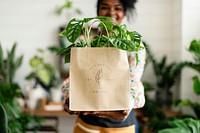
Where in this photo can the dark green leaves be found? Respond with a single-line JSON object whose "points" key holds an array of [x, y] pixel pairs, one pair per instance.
{"points": [[73, 30], [3, 120], [110, 35], [195, 49], [196, 85], [9, 65], [187, 125]]}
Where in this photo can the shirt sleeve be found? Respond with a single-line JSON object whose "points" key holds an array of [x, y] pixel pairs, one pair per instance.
{"points": [[136, 72]]}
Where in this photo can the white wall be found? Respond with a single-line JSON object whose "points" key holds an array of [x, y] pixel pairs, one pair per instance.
{"points": [[33, 24], [167, 25], [190, 31]]}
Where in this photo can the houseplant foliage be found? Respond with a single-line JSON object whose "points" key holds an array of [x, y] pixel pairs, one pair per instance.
{"points": [[166, 76], [9, 66], [111, 35], [187, 125], [68, 5], [69, 10], [42, 72], [3, 120], [10, 91], [194, 49]]}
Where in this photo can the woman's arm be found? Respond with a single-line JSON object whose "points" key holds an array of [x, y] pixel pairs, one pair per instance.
{"points": [[136, 72]]}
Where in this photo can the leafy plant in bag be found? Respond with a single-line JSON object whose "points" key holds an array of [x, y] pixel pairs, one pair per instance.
{"points": [[116, 36]]}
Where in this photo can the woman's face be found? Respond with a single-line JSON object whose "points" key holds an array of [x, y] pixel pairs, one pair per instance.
{"points": [[113, 9]]}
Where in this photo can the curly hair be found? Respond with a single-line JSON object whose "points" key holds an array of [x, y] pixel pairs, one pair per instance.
{"points": [[129, 7]]}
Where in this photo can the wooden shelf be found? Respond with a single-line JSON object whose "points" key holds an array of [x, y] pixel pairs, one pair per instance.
{"points": [[42, 112]]}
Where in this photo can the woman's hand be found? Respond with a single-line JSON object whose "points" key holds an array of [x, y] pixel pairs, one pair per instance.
{"points": [[65, 92], [118, 115], [66, 108]]}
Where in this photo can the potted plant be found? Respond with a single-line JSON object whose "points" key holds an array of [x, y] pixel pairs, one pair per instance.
{"points": [[154, 113], [194, 49], [3, 120], [68, 9], [118, 36], [9, 66], [42, 72], [10, 91], [166, 76], [44, 75], [187, 125]]}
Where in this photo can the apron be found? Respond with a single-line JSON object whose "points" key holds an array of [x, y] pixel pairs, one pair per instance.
{"points": [[82, 127]]}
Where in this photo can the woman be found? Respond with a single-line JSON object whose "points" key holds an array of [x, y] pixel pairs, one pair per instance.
{"points": [[114, 121]]}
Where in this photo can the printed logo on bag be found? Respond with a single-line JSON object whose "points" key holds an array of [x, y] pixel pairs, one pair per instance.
{"points": [[99, 77]]}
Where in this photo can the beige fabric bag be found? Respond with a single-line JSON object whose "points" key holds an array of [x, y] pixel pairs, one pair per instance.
{"points": [[99, 79]]}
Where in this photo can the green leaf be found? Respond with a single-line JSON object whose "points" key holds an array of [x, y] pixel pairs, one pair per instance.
{"points": [[3, 120], [18, 62], [73, 30], [11, 54], [44, 76], [195, 49], [54, 49], [173, 130], [40, 50], [36, 61], [187, 125], [116, 36], [1, 59], [185, 102], [196, 85], [194, 125], [32, 75]]}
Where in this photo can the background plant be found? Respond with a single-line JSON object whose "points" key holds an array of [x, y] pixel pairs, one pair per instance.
{"points": [[194, 49], [166, 76], [69, 10], [3, 120], [153, 112], [187, 125], [42, 72], [67, 6], [9, 66], [10, 91]]}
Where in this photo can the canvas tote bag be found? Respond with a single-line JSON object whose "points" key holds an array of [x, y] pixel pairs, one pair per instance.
{"points": [[99, 79]]}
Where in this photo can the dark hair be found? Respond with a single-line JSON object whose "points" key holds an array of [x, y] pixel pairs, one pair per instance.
{"points": [[129, 7]]}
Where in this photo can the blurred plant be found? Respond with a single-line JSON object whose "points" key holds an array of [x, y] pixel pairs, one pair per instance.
{"points": [[3, 120], [9, 66], [68, 6], [194, 49], [155, 108], [152, 113], [70, 11], [166, 76], [187, 125], [43, 73], [11, 91]]}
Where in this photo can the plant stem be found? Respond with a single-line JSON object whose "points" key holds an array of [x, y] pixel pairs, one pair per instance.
{"points": [[101, 32]]}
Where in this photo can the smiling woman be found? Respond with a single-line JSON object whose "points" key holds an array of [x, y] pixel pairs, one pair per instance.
{"points": [[116, 9], [113, 9], [117, 120]]}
